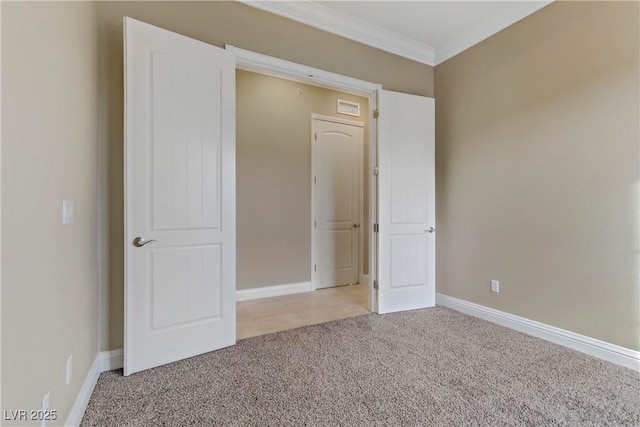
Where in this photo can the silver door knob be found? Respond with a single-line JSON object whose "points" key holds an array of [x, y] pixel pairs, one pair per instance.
{"points": [[430, 230], [139, 242], [356, 225]]}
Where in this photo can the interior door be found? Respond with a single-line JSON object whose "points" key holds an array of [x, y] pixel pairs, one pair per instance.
{"points": [[406, 202], [337, 157], [180, 197]]}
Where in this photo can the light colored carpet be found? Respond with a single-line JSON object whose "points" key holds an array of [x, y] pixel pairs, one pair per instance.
{"points": [[427, 367]]}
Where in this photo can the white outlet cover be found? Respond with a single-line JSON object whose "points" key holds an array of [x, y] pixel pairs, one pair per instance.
{"points": [[67, 212]]}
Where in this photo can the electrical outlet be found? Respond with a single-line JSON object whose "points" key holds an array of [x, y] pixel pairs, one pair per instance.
{"points": [[495, 286], [69, 369], [46, 407]]}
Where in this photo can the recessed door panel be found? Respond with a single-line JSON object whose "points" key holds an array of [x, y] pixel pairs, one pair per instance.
{"points": [[408, 253], [336, 249], [185, 136], [408, 176], [186, 285]]}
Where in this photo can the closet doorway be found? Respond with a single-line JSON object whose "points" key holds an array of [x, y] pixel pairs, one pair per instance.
{"points": [[300, 192]]}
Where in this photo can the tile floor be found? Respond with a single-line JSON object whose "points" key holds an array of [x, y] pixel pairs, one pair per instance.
{"points": [[268, 315]]}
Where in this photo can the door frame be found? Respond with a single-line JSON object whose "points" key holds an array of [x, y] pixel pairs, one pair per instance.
{"points": [[314, 117], [264, 64]]}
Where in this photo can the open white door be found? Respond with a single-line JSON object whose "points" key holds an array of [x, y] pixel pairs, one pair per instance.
{"points": [[180, 197], [406, 202]]}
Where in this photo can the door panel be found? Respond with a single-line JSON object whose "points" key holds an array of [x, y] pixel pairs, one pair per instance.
{"points": [[336, 249], [184, 92], [337, 152], [406, 200], [408, 253], [186, 285], [180, 192], [408, 176]]}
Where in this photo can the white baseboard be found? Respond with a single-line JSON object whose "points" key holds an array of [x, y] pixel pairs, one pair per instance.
{"points": [[591, 346], [272, 291], [364, 279], [82, 399], [110, 360], [103, 362]]}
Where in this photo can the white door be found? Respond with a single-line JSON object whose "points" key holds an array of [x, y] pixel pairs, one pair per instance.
{"points": [[406, 204], [336, 168], [180, 197]]}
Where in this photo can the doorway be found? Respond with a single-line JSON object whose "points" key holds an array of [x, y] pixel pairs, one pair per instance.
{"points": [[274, 200], [290, 71]]}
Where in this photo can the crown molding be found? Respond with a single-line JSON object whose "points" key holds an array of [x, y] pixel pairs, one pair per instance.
{"points": [[326, 19], [483, 31]]}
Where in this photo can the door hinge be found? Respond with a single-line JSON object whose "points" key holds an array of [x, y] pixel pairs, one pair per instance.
{"points": [[315, 267], [315, 136], [376, 228], [315, 179], [315, 224], [376, 113], [375, 284], [376, 171]]}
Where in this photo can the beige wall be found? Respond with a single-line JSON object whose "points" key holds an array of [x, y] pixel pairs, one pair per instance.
{"points": [[49, 274], [273, 168], [216, 23], [537, 150]]}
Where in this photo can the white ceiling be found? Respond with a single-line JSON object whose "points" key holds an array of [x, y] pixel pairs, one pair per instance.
{"points": [[426, 31]]}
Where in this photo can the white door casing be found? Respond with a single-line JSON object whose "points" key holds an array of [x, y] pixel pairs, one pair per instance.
{"points": [[406, 209], [337, 155], [180, 192]]}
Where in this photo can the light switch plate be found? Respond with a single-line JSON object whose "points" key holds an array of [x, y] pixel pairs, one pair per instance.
{"points": [[67, 212], [495, 286]]}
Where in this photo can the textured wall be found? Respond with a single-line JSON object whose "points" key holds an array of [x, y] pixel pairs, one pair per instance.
{"points": [[537, 151], [217, 23], [49, 271]]}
